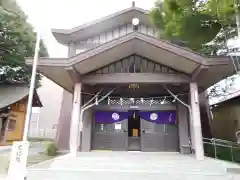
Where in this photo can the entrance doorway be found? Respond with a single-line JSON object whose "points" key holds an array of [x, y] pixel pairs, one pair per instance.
{"points": [[134, 132]]}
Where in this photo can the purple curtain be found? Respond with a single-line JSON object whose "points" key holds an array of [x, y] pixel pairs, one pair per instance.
{"points": [[160, 117], [108, 117]]}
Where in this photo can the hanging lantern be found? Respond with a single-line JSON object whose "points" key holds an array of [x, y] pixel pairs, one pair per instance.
{"points": [[162, 102], [151, 102], [121, 101], [96, 101], [132, 99]]}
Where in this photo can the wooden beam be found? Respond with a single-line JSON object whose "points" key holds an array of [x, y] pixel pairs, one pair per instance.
{"points": [[73, 74], [116, 78], [197, 71]]}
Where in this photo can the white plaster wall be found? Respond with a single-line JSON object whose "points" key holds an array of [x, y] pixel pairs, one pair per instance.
{"points": [[42, 122]]}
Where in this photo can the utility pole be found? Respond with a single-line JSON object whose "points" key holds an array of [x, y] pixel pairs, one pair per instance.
{"points": [[32, 87], [18, 160]]}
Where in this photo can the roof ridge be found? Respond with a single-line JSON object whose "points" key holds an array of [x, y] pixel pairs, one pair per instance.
{"points": [[228, 97], [199, 58], [162, 40], [99, 20]]}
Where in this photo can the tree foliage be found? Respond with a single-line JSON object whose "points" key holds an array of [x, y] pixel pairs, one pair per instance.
{"points": [[196, 22], [203, 25], [17, 42]]}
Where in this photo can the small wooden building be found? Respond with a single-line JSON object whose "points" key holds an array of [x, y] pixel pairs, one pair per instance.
{"points": [[226, 118], [13, 107]]}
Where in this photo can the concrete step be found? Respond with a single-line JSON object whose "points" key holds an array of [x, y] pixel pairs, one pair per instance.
{"points": [[109, 175], [149, 167], [130, 166], [131, 163]]}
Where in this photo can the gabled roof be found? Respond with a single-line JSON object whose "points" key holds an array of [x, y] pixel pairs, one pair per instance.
{"points": [[228, 97], [64, 36], [206, 71], [10, 94], [138, 39]]}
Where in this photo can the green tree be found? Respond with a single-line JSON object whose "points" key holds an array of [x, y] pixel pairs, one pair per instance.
{"points": [[17, 41], [201, 25]]}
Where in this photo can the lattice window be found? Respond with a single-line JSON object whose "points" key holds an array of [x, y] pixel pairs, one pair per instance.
{"points": [[135, 64], [140, 101], [99, 127]]}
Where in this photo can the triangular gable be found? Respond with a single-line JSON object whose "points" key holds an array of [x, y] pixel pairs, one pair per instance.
{"points": [[135, 64], [64, 36], [137, 43], [10, 94]]}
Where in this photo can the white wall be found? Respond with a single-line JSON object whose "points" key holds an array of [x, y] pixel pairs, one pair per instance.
{"points": [[43, 121]]}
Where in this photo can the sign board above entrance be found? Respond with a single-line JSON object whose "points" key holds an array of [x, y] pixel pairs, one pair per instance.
{"points": [[134, 107]]}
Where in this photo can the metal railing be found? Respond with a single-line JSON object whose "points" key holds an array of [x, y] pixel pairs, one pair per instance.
{"points": [[222, 149]]}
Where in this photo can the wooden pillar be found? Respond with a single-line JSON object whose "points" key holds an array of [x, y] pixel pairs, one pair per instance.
{"points": [[196, 122], [75, 119], [183, 127]]}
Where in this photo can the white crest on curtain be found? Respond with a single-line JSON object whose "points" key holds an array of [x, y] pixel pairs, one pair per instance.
{"points": [[115, 116], [153, 116]]}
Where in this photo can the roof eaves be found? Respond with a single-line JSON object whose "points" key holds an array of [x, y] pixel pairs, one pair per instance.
{"points": [[75, 29], [192, 56], [48, 61], [228, 97]]}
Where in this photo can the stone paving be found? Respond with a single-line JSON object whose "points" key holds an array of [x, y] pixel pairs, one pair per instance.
{"points": [[35, 148], [131, 166], [4, 149], [34, 156]]}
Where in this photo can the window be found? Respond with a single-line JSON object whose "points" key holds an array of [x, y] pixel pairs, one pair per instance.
{"points": [[101, 127], [11, 125], [36, 110], [114, 127]]}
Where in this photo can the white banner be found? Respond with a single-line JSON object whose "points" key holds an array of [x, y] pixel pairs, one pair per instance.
{"points": [[18, 161]]}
